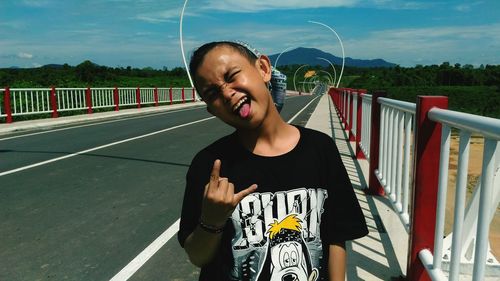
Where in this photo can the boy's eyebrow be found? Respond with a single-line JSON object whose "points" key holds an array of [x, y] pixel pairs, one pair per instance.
{"points": [[229, 72], [210, 88]]}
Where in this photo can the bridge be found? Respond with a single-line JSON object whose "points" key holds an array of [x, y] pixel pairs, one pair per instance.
{"points": [[97, 196]]}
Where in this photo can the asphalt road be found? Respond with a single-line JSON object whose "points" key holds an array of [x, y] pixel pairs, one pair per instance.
{"points": [[80, 203]]}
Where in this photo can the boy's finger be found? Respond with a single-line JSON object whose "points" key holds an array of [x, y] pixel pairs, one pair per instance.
{"points": [[223, 185], [242, 194], [230, 192], [214, 175], [207, 186]]}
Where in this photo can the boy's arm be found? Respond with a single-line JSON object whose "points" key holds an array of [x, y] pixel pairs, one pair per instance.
{"points": [[219, 201], [201, 246], [337, 262]]}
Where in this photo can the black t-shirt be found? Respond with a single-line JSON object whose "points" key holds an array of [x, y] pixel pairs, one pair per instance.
{"points": [[304, 202]]}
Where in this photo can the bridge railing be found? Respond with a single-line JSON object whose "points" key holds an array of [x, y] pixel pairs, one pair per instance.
{"points": [[469, 243], [406, 146], [30, 101]]}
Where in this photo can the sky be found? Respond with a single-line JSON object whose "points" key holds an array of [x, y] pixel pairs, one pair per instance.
{"points": [[145, 33]]}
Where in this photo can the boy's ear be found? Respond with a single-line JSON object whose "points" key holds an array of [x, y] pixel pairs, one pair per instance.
{"points": [[264, 65]]}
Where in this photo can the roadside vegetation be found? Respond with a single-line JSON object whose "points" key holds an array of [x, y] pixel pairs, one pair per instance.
{"points": [[470, 89]]}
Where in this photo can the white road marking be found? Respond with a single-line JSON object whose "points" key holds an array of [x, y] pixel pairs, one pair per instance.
{"points": [[100, 147], [295, 116], [99, 123], [147, 253]]}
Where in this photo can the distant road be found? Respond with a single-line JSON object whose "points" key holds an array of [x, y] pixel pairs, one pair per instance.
{"points": [[81, 203]]}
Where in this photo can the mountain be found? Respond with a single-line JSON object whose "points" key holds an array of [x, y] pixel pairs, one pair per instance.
{"points": [[310, 56], [53, 65]]}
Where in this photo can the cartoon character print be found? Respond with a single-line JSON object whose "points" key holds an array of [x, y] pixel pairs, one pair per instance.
{"points": [[287, 257]]}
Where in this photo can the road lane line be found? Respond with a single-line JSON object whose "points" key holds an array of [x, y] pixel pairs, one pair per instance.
{"points": [[103, 122], [100, 147], [147, 253], [295, 116], [131, 268]]}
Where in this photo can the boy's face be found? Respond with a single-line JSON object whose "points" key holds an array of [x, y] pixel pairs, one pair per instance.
{"points": [[234, 88]]}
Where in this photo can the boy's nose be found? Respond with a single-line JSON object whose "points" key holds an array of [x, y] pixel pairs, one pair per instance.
{"points": [[227, 92]]}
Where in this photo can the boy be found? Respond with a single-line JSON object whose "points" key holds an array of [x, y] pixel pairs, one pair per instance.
{"points": [[270, 201]]}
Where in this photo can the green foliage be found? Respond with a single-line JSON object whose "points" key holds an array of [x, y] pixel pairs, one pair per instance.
{"points": [[480, 100], [472, 90], [88, 73]]}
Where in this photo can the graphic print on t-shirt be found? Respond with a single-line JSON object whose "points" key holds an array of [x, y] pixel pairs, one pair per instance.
{"points": [[277, 235]]}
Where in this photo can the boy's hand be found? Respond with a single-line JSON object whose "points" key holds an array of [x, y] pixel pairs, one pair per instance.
{"points": [[219, 199]]}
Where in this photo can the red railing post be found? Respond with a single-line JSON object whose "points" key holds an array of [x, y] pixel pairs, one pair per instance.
{"points": [[138, 97], [88, 100], [6, 105], [170, 96], [183, 97], [53, 102], [194, 98], [374, 187], [116, 99], [425, 184], [359, 124], [351, 105], [156, 96]]}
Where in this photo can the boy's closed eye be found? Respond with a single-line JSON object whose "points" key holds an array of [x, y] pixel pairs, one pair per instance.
{"points": [[212, 92]]}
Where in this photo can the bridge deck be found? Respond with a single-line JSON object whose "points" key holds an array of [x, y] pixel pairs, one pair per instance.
{"points": [[379, 256]]}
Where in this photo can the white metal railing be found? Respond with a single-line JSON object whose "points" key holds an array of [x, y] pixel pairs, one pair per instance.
{"points": [[177, 94], [147, 95], [71, 99], [102, 97], [354, 119], [26, 101], [465, 250], [347, 106], [126, 96], [469, 240], [396, 131], [366, 121]]}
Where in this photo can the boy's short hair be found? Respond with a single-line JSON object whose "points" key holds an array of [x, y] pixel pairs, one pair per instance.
{"points": [[199, 54]]}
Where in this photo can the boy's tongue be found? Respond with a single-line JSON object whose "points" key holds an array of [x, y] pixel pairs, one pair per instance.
{"points": [[244, 110]]}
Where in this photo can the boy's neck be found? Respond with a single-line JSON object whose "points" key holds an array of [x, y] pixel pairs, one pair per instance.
{"points": [[274, 137]]}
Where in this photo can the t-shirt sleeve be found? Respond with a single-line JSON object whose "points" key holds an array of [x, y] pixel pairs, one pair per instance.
{"points": [[196, 179], [343, 215]]}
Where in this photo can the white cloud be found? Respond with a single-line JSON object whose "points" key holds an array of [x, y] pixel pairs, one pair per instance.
{"points": [[467, 7], [170, 15], [262, 5], [473, 44], [23, 55], [35, 3]]}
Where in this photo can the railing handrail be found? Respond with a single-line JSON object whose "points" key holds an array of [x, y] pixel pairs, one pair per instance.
{"points": [[30, 89], [486, 126], [401, 105]]}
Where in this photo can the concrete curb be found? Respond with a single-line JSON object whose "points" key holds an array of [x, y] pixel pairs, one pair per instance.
{"points": [[47, 123]]}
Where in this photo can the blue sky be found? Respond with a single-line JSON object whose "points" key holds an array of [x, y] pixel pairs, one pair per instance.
{"points": [[141, 33]]}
